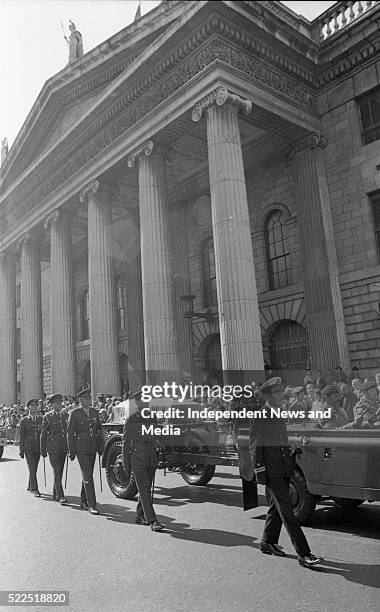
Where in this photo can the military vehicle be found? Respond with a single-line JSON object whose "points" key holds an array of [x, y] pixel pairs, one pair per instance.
{"points": [[342, 465]]}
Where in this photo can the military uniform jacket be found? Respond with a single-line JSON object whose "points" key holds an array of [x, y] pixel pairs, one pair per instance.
{"points": [[30, 430], [365, 412], [138, 448], [84, 433], [53, 433], [269, 446]]}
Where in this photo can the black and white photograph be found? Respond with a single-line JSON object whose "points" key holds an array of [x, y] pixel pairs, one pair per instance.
{"points": [[189, 306]]}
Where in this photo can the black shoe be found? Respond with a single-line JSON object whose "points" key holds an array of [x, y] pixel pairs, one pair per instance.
{"points": [[309, 560], [84, 505], [55, 496], [271, 549], [156, 526], [36, 493], [93, 511], [62, 501], [139, 520]]}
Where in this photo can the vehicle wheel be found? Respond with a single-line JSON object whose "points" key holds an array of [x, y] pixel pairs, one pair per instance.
{"points": [[116, 477], [346, 503], [1, 451], [196, 473], [303, 501]]}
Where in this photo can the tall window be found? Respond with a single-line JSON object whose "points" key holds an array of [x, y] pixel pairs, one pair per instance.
{"points": [[209, 273], [120, 304], [85, 316], [369, 107], [375, 201], [278, 257]]}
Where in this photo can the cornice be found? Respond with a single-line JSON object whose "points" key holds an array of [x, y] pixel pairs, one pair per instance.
{"points": [[349, 62], [143, 97]]}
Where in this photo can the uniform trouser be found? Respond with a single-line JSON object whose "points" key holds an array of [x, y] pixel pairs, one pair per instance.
{"points": [[32, 459], [144, 477], [87, 494], [57, 461], [280, 512]]}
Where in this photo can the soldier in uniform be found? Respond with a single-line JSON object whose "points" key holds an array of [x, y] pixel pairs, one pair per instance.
{"points": [[273, 467], [366, 412], [84, 439], [331, 398], [139, 458], [30, 429], [53, 442]]}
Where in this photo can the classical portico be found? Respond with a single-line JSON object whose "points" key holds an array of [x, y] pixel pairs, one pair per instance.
{"points": [[173, 114]]}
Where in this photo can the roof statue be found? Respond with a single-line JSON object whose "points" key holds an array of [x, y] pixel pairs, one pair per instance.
{"points": [[75, 43], [4, 150]]}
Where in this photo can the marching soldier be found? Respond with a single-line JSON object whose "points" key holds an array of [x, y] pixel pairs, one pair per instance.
{"points": [[85, 438], [139, 458], [53, 442], [30, 429], [273, 467]]}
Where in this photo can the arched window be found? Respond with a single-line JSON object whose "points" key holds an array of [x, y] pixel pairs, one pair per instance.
{"points": [[289, 347], [85, 316], [209, 273], [120, 304], [278, 256]]}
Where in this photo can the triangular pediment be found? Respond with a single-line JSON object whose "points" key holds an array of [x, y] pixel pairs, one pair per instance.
{"points": [[69, 116], [70, 94]]}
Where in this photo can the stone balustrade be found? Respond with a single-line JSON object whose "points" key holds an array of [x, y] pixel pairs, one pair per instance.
{"points": [[338, 17]]}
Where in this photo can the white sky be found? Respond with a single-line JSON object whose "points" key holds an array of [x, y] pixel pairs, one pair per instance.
{"points": [[32, 47]]}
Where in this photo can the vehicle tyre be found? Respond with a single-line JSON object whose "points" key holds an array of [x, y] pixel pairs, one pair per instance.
{"points": [[116, 477], [1, 451], [346, 503], [196, 473], [303, 501]]}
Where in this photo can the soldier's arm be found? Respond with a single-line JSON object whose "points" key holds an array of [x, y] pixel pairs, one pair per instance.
{"points": [[256, 450], [22, 437], [99, 435], [44, 433], [70, 434]]}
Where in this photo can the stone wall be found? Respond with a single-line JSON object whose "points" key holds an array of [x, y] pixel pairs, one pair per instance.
{"points": [[353, 174]]}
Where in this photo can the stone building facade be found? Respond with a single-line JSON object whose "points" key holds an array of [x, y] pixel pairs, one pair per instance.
{"points": [[199, 193]]}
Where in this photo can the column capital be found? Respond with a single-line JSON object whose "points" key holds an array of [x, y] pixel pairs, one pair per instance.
{"points": [[219, 96], [96, 186], [26, 238], [148, 148], [145, 148], [9, 253], [312, 141], [56, 214]]}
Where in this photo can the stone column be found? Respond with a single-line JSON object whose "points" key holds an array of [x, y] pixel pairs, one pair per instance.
{"points": [[8, 363], [31, 319], [161, 350], [323, 300], [242, 353], [104, 345], [61, 304]]}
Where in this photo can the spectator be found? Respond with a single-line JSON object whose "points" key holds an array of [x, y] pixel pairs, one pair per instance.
{"points": [[331, 397], [340, 376], [320, 382], [308, 378]]}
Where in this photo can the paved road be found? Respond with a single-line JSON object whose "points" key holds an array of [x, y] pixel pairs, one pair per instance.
{"points": [[207, 560]]}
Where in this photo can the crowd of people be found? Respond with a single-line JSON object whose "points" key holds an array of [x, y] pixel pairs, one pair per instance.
{"points": [[10, 416], [354, 402]]}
